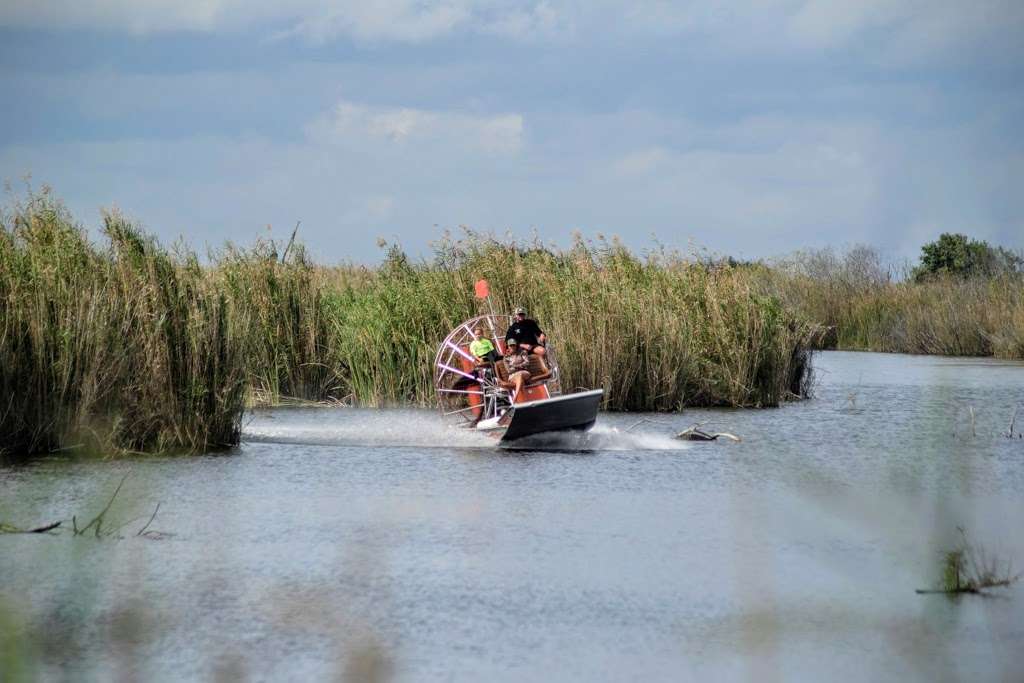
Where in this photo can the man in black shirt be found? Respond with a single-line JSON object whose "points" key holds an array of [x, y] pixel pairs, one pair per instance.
{"points": [[527, 333]]}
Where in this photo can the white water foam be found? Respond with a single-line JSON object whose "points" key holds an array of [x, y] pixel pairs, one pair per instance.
{"points": [[600, 438], [355, 427], [425, 429]]}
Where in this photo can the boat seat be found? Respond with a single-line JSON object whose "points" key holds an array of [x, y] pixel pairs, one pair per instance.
{"points": [[539, 372]]}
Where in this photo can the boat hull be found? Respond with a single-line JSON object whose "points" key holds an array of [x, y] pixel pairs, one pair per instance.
{"points": [[571, 412]]}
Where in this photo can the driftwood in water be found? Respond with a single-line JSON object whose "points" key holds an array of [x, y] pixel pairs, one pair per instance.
{"points": [[694, 433], [8, 529]]}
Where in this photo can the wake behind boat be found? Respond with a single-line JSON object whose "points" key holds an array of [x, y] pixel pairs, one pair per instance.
{"points": [[477, 394]]}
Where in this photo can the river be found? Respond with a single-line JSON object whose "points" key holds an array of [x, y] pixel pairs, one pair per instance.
{"points": [[378, 545]]}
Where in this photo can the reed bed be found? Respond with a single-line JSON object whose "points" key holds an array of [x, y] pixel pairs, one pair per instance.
{"points": [[125, 348], [131, 346], [657, 334], [871, 308], [285, 301]]}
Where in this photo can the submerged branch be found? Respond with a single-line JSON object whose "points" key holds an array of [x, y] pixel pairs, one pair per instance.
{"points": [[97, 521], [1013, 422], [10, 529], [142, 531]]}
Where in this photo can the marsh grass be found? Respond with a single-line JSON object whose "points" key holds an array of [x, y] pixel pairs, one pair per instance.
{"points": [[123, 348], [871, 307], [130, 346], [658, 334], [284, 300]]}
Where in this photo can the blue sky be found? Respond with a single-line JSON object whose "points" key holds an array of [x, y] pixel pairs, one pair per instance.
{"points": [[750, 128]]}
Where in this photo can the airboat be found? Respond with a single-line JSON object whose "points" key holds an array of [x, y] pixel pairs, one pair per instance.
{"points": [[476, 396]]}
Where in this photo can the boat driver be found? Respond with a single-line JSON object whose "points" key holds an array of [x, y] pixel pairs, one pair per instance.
{"points": [[526, 332]]}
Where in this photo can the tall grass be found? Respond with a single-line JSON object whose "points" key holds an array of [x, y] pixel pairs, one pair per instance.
{"points": [[123, 348], [131, 346], [657, 334], [869, 307], [289, 339]]}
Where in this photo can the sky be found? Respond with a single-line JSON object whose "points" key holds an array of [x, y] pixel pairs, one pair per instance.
{"points": [[750, 128]]}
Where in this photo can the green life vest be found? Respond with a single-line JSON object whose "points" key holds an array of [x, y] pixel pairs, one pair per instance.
{"points": [[481, 347]]}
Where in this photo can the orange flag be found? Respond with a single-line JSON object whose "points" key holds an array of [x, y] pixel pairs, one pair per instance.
{"points": [[482, 289]]}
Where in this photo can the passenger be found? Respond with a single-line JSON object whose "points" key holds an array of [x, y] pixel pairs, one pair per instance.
{"points": [[527, 333], [482, 348], [517, 360]]}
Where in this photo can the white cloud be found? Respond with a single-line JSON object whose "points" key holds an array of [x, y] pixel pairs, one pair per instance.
{"points": [[415, 21], [820, 23], [399, 127], [133, 16], [641, 162], [758, 187], [400, 20], [890, 30], [750, 187], [316, 21], [530, 22], [910, 30]]}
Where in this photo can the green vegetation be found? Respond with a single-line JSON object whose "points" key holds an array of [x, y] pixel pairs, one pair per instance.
{"points": [[862, 305], [129, 347], [968, 568], [285, 302], [134, 347], [960, 256], [658, 334]]}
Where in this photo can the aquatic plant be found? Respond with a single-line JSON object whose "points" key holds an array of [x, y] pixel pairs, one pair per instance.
{"points": [[968, 568], [98, 524]]}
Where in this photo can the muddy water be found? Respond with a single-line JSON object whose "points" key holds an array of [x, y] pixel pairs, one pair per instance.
{"points": [[378, 545]]}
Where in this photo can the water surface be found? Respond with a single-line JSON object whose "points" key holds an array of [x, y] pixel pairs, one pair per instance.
{"points": [[357, 543]]}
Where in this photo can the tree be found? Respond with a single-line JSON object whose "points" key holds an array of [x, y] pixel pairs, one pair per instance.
{"points": [[960, 256]]}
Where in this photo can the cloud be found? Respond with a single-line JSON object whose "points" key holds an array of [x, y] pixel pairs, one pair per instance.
{"points": [[634, 141], [132, 16], [351, 124], [906, 32], [909, 31], [755, 187], [315, 21], [413, 21], [530, 22], [398, 20]]}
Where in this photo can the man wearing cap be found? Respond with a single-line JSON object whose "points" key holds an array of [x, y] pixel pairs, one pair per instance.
{"points": [[526, 332], [517, 362]]}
